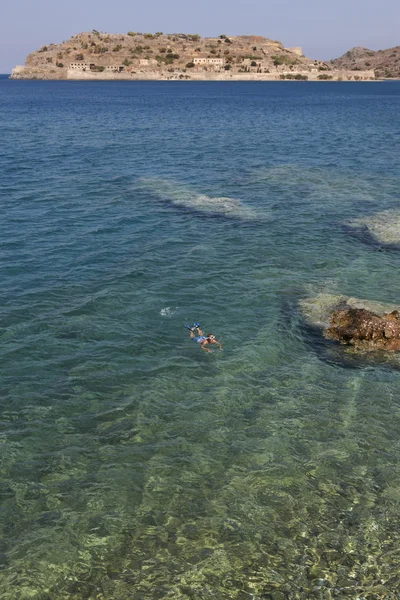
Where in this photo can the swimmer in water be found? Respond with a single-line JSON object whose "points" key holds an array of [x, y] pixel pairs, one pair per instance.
{"points": [[200, 338]]}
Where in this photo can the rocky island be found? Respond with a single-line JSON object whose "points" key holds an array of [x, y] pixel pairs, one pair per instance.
{"points": [[158, 56]]}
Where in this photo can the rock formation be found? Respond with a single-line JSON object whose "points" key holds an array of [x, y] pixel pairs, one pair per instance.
{"points": [[365, 329]]}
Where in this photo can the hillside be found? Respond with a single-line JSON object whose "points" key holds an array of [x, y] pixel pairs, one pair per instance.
{"points": [[133, 55], [386, 63], [159, 51]]}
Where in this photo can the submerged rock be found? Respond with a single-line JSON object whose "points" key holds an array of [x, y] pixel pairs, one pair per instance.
{"points": [[179, 195], [383, 227]]}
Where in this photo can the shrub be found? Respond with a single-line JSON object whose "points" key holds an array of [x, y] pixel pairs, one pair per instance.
{"points": [[228, 41], [254, 48], [132, 33], [282, 59], [324, 77], [43, 49], [195, 37], [169, 51], [158, 33], [162, 50], [190, 65], [117, 48], [213, 51], [227, 67], [139, 49], [59, 64], [49, 59], [98, 69], [84, 46], [95, 32], [300, 77], [250, 57], [222, 37], [79, 57], [127, 63], [253, 63]]}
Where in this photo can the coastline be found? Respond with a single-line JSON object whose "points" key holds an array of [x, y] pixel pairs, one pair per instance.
{"points": [[23, 73]]}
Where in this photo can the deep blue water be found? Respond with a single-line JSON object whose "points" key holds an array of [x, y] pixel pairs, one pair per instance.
{"points": [[134, 465]]}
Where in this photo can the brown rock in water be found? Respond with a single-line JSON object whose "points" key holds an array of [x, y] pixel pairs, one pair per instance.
{"points": [[364, 329]]}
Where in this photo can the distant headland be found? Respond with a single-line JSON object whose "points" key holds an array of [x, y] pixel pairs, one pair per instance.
{"points": [[146, 56]]}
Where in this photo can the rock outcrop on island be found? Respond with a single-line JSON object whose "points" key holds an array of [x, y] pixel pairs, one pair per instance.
{"points": [[96, 55], [385, 63]]}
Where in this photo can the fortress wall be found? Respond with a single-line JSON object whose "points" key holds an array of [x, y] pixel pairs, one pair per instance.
{"points": [[154, 75]]}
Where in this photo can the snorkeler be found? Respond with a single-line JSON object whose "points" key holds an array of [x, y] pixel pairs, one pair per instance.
{"points": [[202, 339]]}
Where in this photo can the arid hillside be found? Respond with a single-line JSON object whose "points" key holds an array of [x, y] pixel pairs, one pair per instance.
{"points": [[159, 56], [385, 63], [130, 52]]}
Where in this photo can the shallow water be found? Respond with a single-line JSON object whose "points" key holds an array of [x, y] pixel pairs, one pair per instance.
{"points": [[132, 464]]}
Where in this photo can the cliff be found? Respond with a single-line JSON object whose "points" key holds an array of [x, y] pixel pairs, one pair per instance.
{"points": [[385, 63], [135, 55]]}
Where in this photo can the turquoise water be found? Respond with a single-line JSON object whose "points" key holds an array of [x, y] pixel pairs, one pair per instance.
{"points": [[133, 465]]}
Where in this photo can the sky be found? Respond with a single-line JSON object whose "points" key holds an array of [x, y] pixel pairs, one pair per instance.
{"points": [[323, 29]]}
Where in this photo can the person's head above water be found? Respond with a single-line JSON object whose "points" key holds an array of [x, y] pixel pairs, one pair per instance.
{"points": [[210, 336]]}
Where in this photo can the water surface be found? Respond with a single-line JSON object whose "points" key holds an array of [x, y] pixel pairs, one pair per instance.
{"points": [[133, 465]]}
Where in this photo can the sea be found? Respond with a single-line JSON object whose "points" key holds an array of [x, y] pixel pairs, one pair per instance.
{"points": [[134, 465]]}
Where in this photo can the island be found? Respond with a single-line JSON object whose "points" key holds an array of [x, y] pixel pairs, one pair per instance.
{"points": [[157, 56]]}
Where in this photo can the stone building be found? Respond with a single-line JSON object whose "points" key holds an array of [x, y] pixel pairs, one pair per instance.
{"points": [[92, 67], [216, 62], [296, 50], [81, 66]]}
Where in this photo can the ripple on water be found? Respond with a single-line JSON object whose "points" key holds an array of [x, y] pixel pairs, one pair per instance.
{"points": [[133, 463]]}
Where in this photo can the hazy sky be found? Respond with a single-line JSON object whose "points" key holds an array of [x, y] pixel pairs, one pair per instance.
{"points": [[325, 29]]}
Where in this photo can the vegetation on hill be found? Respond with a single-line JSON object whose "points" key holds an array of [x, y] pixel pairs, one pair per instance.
{"points": [[175, 51]]}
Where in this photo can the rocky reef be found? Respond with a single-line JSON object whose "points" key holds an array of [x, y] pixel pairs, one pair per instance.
{"points": [[364, 328]]}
